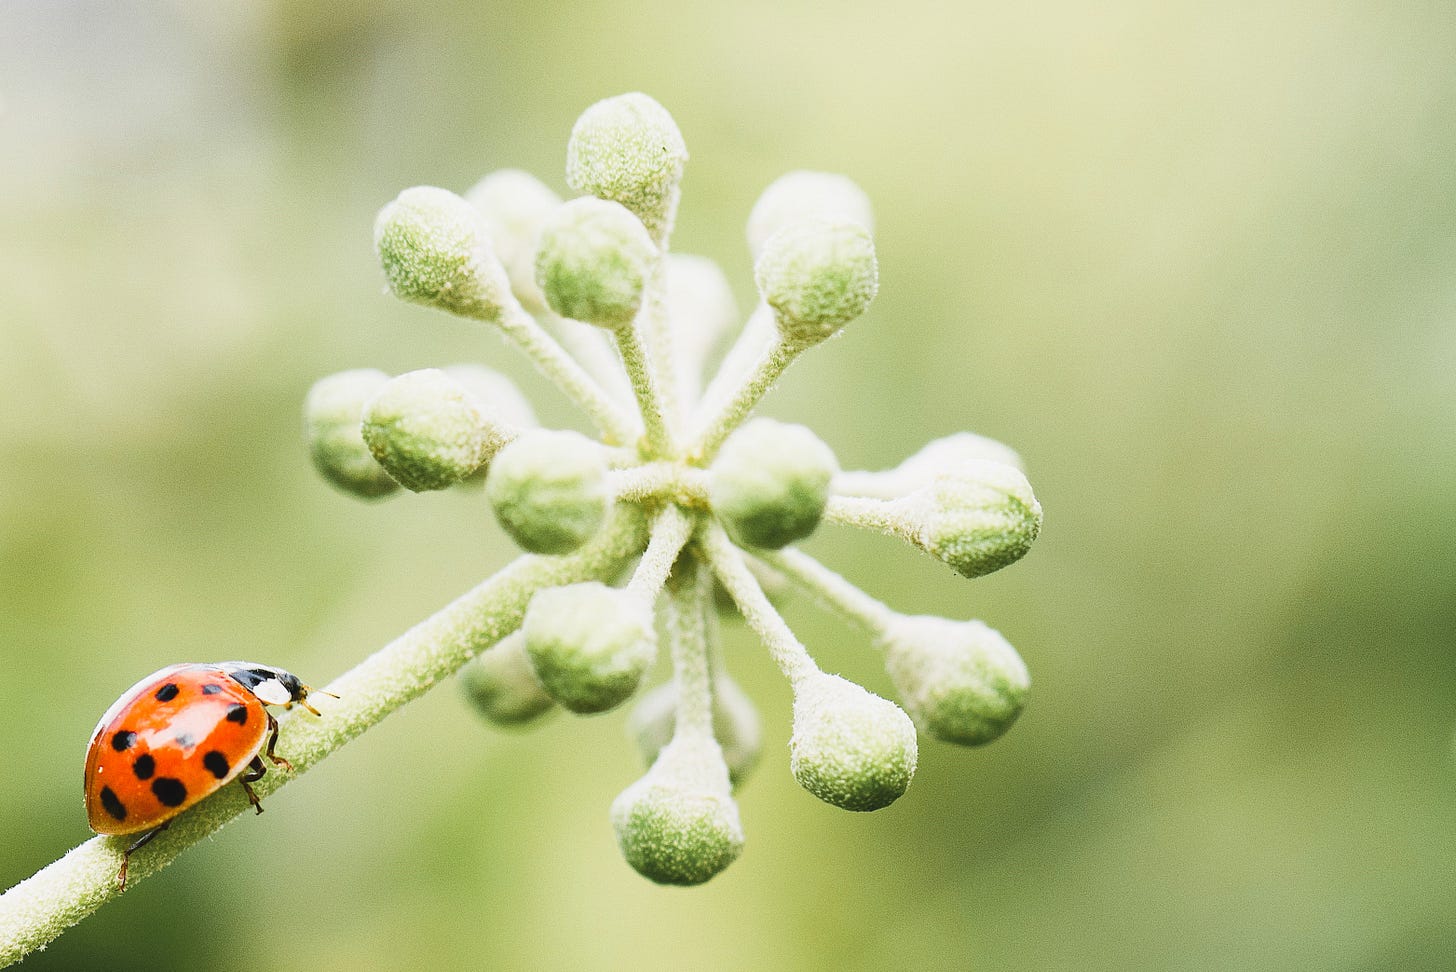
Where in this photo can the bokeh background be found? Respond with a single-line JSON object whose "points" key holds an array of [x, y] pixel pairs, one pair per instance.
{"points": [[1196, 261]]}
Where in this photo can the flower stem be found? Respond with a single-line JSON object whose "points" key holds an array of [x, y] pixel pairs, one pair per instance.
{"points": [[647, 388], [715, 430], [662, 481], [39, 908], [727, 562], [868, 514], [687, 632], [615, 425], [670, 533], [830, 588]]}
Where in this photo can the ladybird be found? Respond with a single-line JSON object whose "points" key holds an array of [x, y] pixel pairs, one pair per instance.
{"points": [[179, 735]]}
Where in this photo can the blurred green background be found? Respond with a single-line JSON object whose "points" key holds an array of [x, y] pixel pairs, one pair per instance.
{"points": [[1194, 260]]}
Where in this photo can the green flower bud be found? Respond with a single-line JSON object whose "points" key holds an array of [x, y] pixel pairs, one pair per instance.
{"points": [[797, 196], [502, 686], [850, 747], [499, 399], [549, 490], [735, 725], [435, 249], [678, 824], [629, 150], [332, 413], [979, 518], [817, 275], [427, 432], [589, 644], [515, 205], [939, 456], [961, 681], [770, 483], [593, 261]]}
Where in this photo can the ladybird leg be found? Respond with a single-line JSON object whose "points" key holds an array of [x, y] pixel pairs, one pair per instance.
{"points": [[273, 741], [137, 845], [254, 774]]}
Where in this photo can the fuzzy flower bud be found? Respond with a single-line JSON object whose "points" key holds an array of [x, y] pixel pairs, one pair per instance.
{"points": [[678, 824], [961, 681], [502, 686], [817, 275], [978, 518], [589, 644], [628, 149], [427, 432], [938, 456], [498, 397], [593, 260], [770, 483], [850, 747], [332, 413], [549, 490], [796, 196], [735, 725], [435, 249], [515, 204]]}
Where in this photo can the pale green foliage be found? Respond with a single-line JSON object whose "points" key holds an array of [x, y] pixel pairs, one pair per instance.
{"points": [[593, 260], [960, 680], [332, 413], [850, 747], [503, 687], [770, 483], [589, 644], [678, 824], [435, 249], [549, 490], [428, 432], [629, 150], [817, 275]]}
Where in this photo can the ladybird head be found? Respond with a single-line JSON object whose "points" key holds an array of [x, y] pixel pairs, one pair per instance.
{"points": [[272, 686]]}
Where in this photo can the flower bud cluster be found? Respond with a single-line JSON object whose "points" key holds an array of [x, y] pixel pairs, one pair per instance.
{"points": [[726, 495]]}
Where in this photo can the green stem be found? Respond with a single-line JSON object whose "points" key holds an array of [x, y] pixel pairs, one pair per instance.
{"points": [[830, 589], [687, 632], [866, 513], [662, 482], [615, 425], [728, 564], [770, 367], [39, 908], [670, 533], [647, 388]]}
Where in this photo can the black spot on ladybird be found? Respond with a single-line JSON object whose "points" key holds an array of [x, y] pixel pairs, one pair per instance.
{"points": [[169, 790], [167, 692], [122, 741], [237, 712], [216, 763], [144, 766], [112, 804], [211, 688]]}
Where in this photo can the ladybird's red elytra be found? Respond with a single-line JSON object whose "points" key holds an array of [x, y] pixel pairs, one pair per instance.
{"points": [[178, 736]]}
